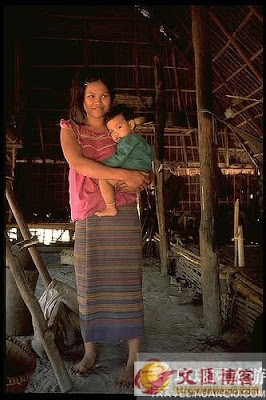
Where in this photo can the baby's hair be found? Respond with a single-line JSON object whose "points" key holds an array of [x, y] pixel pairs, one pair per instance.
{"points": [[119, 109]]}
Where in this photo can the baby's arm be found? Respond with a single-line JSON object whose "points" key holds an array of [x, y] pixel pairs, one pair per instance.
{"points": [[124, 148]]}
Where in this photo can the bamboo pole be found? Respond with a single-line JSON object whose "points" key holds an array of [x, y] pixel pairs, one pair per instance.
{"points": [[46, 278], [46, 335], [208, 168], [240, 243], [236, 221]]}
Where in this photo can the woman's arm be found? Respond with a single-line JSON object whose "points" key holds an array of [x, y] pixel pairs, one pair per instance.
{"points": [[122, 186], [84, 166]]}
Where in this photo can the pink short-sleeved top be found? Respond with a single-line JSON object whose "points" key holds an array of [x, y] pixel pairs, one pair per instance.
{"points": [[84, 195]]}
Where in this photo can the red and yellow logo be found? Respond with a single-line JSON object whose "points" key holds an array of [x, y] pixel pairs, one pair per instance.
{"points": [[154, 377]]}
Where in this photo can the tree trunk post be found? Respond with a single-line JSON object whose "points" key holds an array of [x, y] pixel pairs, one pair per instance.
{"points": [[208, 168]]}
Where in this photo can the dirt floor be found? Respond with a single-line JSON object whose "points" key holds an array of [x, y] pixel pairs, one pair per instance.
{"points": [[170, 328]]}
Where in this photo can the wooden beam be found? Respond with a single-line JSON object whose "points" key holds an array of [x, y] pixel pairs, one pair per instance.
{"points": [[136, 56], [242, 143], [246, 108], [46, 225], [219, 74], [91, 17], [208, 168], [41, 136], [257, 13], [125, 89], [159, 156], [104, 66], [236, 45], [89, 39], [85, 43], [184, 148], [177, 86], [17, 77], [243, 23], [237, 71], [229, 89], [226, 148], [248, 120], [225, 81]]}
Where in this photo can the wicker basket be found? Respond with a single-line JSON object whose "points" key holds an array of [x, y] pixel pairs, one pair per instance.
{"points": [[19, 366]]}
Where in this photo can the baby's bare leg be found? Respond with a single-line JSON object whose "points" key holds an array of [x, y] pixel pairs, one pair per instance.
{"points": [[108, 193]]}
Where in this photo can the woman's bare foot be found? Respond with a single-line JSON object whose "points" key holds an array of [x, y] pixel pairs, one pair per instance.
{"points": [[109, 211], [81, 368], [126, 380]]}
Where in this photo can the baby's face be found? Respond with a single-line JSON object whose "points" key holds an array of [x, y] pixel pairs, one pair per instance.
{"points": [[118, 127]]}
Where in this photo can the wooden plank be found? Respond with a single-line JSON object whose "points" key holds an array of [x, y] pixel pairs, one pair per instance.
{"points": [[208, 161]]}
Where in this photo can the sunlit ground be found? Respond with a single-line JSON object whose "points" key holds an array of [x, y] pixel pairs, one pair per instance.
{"points": [[45, 236]]}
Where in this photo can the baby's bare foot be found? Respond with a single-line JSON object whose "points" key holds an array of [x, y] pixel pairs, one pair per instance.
{"points": [[109, 211]]}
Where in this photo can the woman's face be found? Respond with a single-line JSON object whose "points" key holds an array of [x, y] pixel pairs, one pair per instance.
{"points": [[97, 99]]}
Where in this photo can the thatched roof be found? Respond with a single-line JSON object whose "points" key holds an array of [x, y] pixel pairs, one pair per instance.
{"points": [[45, 44]]}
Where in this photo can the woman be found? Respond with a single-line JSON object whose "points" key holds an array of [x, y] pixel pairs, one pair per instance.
{"points": [[107, 252]]}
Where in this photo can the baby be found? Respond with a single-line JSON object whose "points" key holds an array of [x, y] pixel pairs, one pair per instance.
{"points": [[133, 152]]}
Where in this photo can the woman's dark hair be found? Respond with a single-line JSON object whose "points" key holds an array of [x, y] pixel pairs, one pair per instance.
{"points": [[82, 77], [119, 109]]}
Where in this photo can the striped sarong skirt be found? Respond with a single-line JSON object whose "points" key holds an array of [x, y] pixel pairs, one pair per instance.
{"points": [[108, 267]]}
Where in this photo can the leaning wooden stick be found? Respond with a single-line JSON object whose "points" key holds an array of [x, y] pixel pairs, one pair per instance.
{"points": [[46, 335], [34, 252]]}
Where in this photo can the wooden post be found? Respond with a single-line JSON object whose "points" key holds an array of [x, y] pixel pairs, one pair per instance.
{"points": [[34, 252], [46, 335], [159, 157], [208, 168]]}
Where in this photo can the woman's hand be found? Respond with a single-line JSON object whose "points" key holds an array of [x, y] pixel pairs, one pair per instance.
{"points": [[134, 181]]}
